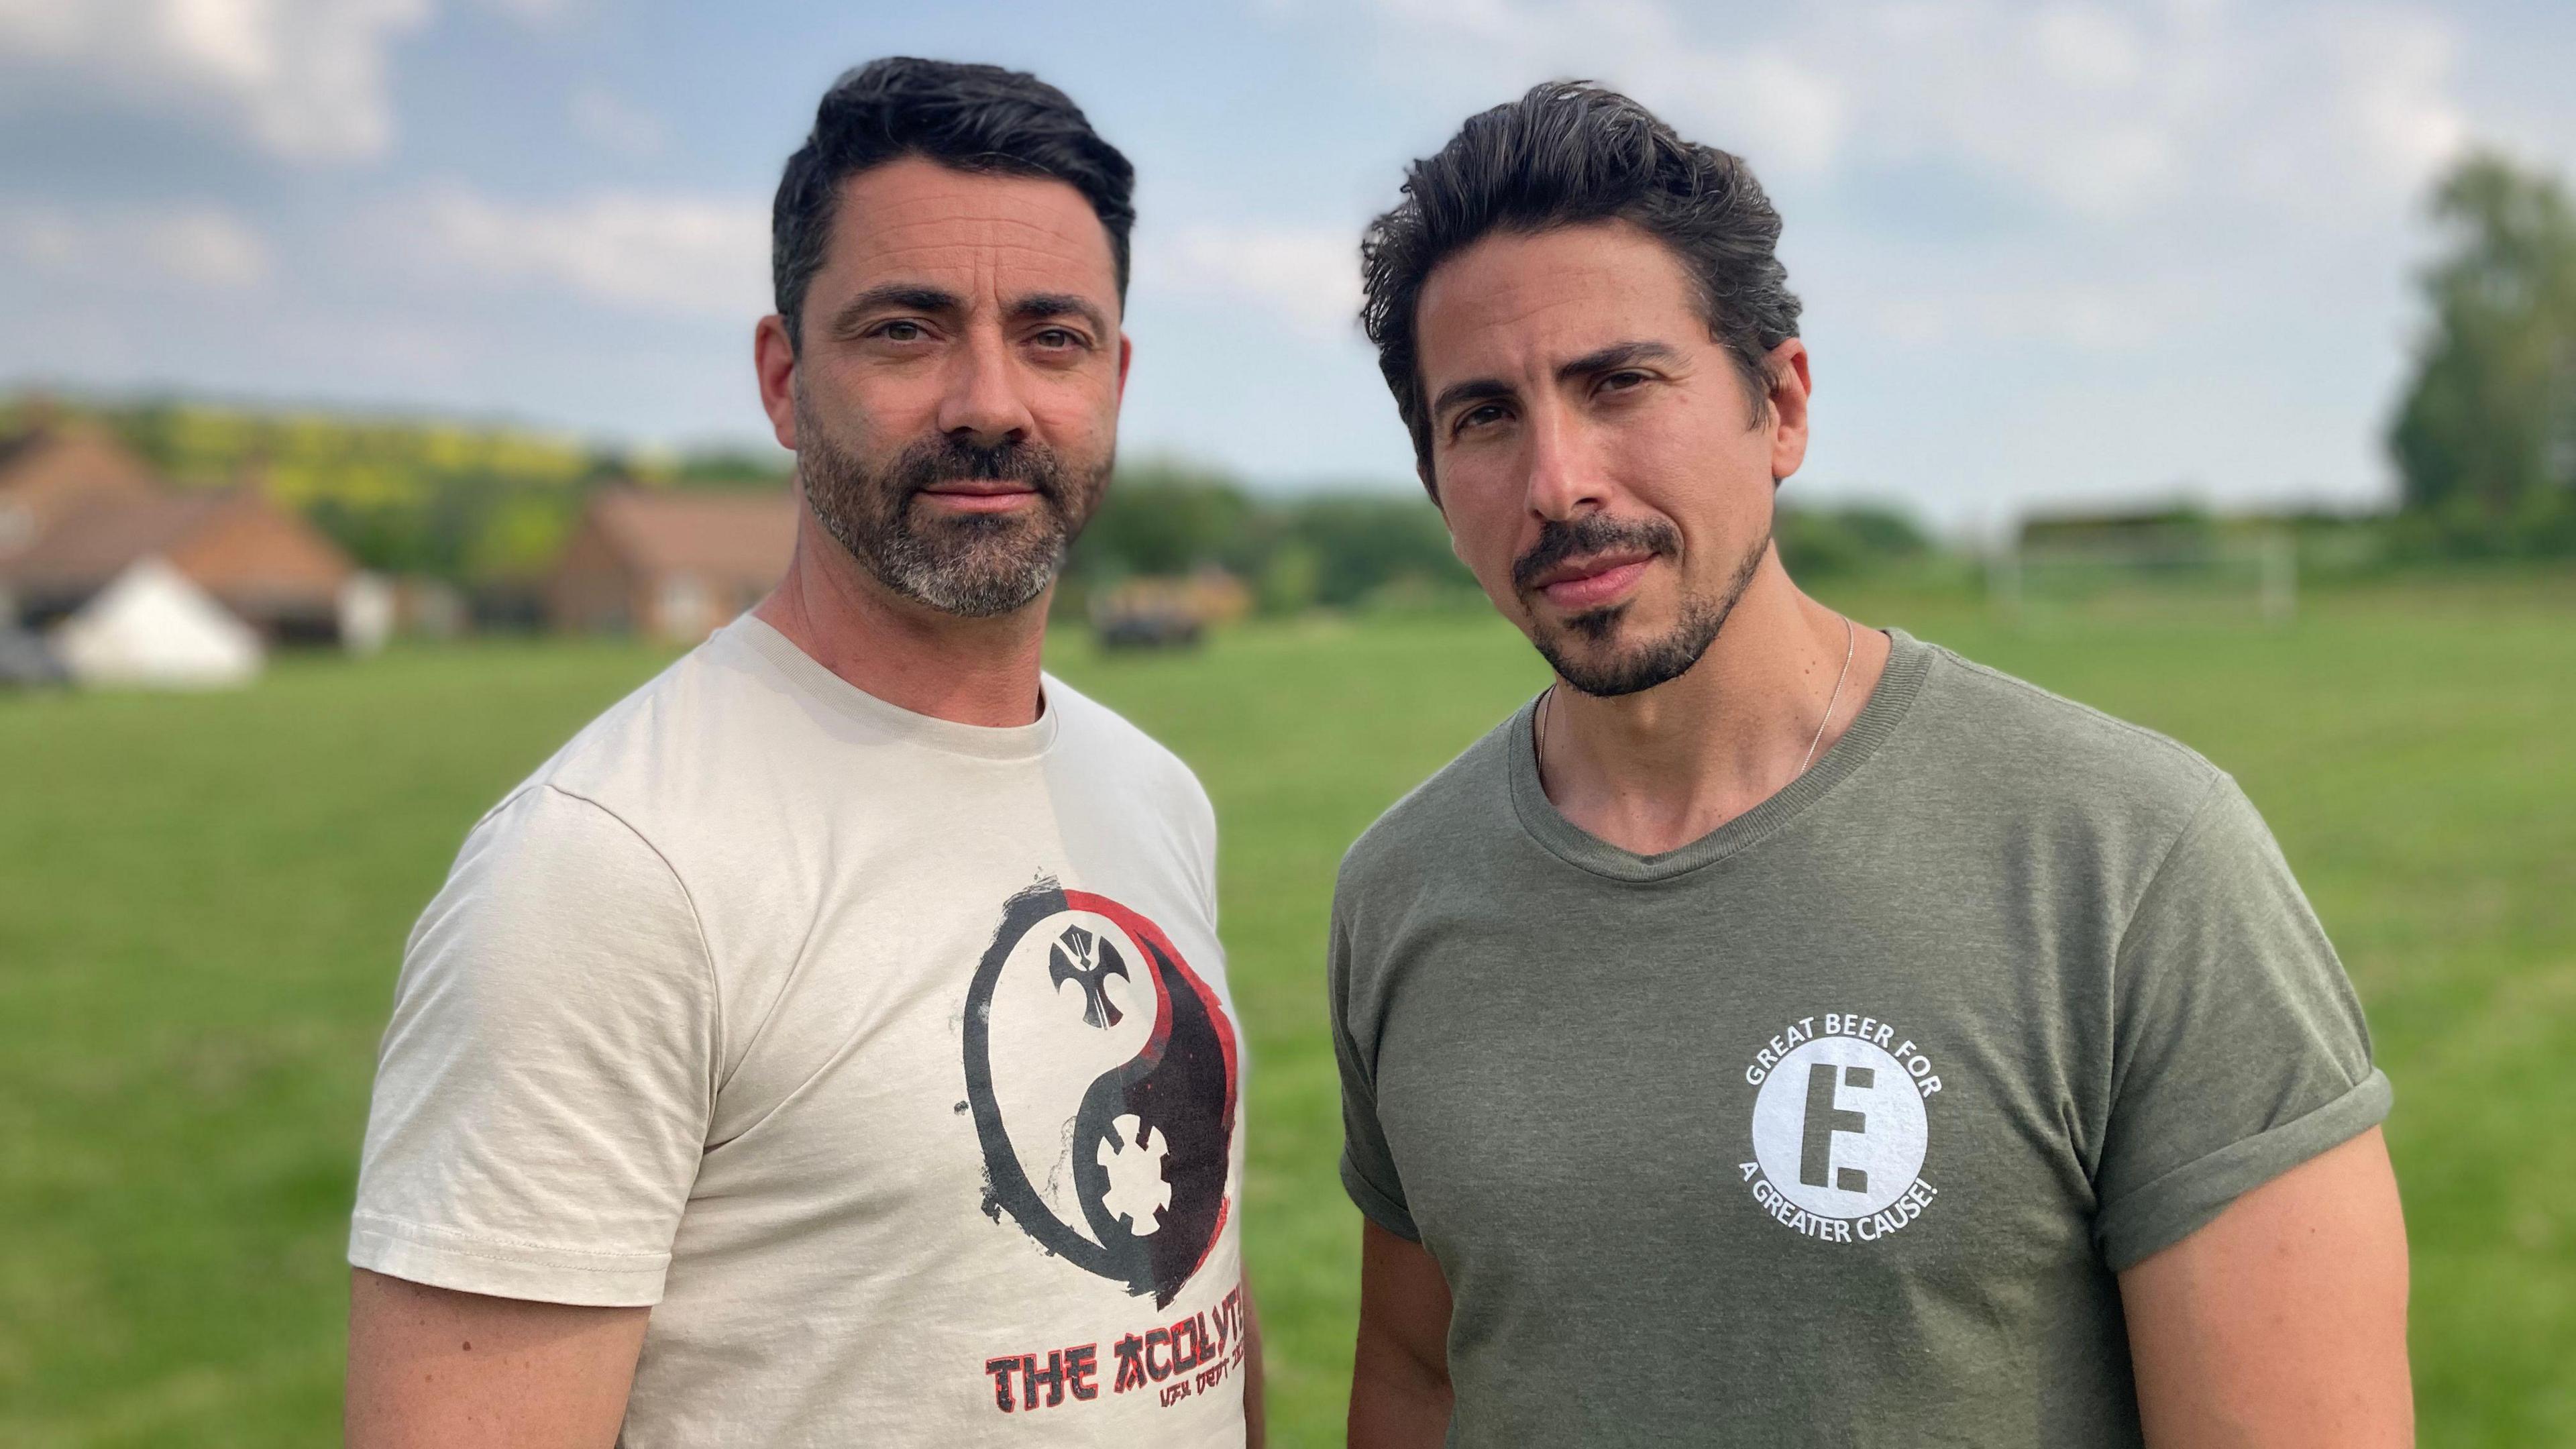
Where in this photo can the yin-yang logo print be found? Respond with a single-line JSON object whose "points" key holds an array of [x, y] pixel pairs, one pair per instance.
{"points": [[1101, 1072]]}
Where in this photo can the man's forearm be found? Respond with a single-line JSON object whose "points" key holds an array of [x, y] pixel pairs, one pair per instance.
{"points": [[1400, 1390], [1397, 1402]]}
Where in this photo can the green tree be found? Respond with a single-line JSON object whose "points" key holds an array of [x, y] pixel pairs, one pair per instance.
{"points": [[1817, 543], [2486, 435], [1368, 543], [1166, 518]]}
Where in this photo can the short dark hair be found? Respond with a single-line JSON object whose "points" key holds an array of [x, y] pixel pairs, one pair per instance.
{"points": [[967, 117], [1566, 154]]}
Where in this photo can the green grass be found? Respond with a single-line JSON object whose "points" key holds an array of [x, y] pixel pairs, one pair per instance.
{"points": [[202, 900]]}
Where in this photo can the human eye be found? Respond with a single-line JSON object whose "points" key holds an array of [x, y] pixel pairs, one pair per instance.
{"points": [[1480, 416], [1060, 339], [901, 329], [1626, 379]]}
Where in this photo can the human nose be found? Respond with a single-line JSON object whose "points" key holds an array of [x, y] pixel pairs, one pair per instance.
{"points": [[983, 404], [1562, 483]]}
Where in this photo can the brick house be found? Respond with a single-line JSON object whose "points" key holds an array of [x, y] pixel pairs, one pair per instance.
{"points": [[670, 566]]}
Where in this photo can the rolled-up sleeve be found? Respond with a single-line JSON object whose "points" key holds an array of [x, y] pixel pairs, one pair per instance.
{"points": [[2239, 1048]]}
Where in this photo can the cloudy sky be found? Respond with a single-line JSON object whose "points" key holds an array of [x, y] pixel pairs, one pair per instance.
{"points": [[2051, 252]]}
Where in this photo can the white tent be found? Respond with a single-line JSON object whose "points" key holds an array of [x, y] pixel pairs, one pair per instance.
{"points": [[155, 629], [366, 613]]}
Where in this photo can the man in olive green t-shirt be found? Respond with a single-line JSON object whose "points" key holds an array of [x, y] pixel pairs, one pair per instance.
{"points": [[1784, 1032]]}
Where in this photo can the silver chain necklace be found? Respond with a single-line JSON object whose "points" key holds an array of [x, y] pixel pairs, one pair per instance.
{"points": [[1547, 707]]}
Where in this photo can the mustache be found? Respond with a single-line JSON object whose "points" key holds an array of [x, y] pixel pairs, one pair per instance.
{"points": [[945, 459], [1559, 540]]}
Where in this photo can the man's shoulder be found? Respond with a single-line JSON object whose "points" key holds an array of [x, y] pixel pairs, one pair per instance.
{"points": [[673, 728], [2036, 750], [721, 745], [1101, 733], [1438, 821], [1101, 738]]}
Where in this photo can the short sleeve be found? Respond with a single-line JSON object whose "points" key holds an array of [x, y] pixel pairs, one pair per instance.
{"points": [[1368, 1168], [2239, 1049], [543, 1092]]}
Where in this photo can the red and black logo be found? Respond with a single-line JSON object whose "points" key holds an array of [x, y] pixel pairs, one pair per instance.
{"points": [[1101, 1073]]}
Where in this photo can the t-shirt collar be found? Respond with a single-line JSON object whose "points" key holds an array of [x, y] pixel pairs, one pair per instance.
{"points": [[1908, 660], [808, 677]]}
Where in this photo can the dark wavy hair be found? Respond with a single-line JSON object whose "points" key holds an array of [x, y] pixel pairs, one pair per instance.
{"points": [[1565, 154], [968, 117]]}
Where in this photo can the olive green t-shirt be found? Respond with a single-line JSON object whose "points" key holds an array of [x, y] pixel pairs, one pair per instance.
{"points": [[1833, 1126]]}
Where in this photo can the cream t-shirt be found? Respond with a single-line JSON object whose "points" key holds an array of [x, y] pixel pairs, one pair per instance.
{"points": [[889, 1059]]}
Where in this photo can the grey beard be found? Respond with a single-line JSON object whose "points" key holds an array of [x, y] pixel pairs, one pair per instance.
{"points": [[979, 570], [972, 567], [1658, 661]]}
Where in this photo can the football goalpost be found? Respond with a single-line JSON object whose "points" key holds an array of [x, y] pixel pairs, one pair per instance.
{"points": [[2147, 572]]}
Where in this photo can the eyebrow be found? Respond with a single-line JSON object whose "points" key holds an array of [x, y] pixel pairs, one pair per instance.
{"points": [[1604, 359], [1482, 389], [920, 297], [1613, 357], [905, 296], [1038, 306]]}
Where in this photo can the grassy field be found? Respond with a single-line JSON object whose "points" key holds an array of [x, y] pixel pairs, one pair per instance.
{"points": [[202, 901]]}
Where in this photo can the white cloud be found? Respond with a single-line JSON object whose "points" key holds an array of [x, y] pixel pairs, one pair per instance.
{"points": [[2393, 76], [2084, 45], [1785, 111], [197, 247], [2100, 112], [207, 247], [2075, 179], [676, 255], [2086, 317], [536, 13], [303, 79], [605, 119], [2111, 115], [1307, 278]]}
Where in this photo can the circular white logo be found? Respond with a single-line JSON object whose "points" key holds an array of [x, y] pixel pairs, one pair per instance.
{"points": [[1839, 1128]]}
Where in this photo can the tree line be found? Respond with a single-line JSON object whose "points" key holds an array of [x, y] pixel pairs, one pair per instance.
{"points": [[1360, 548]]}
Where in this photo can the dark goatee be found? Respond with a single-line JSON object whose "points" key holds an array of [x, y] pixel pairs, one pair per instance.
{"points": [[1605, 672]]}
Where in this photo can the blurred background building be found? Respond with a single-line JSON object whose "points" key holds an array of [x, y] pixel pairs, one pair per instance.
{"points": [[670, 566]]}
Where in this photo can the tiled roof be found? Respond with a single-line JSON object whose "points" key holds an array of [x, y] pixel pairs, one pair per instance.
{"points": [[49, 473], [236, 545], [732, 537]]}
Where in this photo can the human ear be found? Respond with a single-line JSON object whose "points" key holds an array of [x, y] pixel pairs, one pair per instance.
{"points": [[773, 360]]}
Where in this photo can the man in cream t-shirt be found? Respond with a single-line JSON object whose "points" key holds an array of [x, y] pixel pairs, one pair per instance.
{"points": [[831, 1044]]}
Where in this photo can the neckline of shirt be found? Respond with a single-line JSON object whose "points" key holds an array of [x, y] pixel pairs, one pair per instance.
{"points": [[1908, 661], [984, 742]]}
